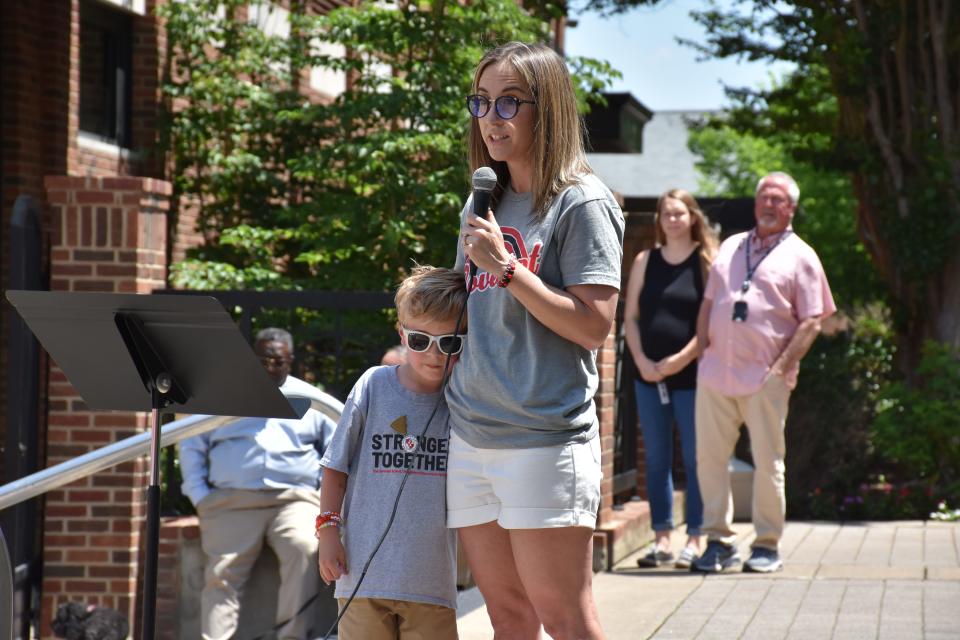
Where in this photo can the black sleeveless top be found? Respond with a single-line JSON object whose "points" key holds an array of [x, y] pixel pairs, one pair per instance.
{"points": [[669, 303]]}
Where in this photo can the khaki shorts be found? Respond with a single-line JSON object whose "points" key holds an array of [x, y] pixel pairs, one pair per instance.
{"points": [[535, 488], [383, 619]]}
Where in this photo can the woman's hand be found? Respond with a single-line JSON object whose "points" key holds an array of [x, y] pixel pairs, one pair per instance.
{"points": [[648, 370], [483, 244], [332, 557], [670, 365]]}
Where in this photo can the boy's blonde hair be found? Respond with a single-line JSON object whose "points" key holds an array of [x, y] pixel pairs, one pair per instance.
{"points": [[433, 292]]}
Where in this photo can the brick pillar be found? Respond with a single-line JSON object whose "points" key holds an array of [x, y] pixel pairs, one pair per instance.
{"points": [[108, 234], [606, 400]]}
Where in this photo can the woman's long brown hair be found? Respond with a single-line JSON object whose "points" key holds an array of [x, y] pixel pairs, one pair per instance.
{"points": [[558, 152]]}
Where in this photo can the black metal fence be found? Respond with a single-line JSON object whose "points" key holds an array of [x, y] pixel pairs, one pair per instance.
{"points": [[22, 526], [625, 425], [337, 334]]}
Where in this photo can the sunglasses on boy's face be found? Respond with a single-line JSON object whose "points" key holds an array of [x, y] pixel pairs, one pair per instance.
{"points": [[506, 107], [449, 344]]}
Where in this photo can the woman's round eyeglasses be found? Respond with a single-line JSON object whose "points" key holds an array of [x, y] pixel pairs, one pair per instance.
{"points": [[507, 107]]}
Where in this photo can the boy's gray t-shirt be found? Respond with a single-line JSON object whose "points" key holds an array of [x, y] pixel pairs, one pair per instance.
{"points": [[417, 561], [517, 383]]}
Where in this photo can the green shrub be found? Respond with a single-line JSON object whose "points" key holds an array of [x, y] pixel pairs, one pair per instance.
{"points": [[829, 454], [917, 428]]}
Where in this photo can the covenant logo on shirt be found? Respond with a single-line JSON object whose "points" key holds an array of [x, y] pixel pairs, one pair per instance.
{"points": [[513, 240], [392, 454]]}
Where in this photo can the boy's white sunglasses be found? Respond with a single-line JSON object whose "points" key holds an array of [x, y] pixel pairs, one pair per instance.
{"points": [[419, 341]]}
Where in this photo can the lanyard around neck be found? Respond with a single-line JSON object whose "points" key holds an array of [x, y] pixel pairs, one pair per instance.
{"points": [[751, 269]]}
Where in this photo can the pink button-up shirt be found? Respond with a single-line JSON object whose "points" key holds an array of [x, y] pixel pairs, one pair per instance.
{"points": [[788, 287]]}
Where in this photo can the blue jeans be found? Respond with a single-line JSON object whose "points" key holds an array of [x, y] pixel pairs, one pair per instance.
{"points": [[656, 423]]}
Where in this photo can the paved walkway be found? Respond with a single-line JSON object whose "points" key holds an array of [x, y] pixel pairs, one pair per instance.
{"points": [[878, 580]]}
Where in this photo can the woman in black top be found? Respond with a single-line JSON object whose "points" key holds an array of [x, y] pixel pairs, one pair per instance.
{"points": [[663, 297]]}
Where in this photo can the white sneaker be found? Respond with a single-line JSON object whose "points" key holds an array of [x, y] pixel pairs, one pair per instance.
{"points": [[686, 558]]}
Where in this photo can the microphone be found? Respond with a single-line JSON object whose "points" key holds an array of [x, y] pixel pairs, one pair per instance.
{"points": [[484, 181]]}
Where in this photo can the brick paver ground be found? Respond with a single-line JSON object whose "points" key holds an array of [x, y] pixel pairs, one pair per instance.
{"points": [[875, 580]]}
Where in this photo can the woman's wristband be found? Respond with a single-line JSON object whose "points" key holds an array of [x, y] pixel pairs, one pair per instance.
{"points": [[508, 273]]}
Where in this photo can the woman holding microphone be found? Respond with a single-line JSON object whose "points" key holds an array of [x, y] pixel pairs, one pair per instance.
{"points": [[523, 484]]}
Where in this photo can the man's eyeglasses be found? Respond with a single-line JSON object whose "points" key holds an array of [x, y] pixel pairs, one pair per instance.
{"points": [[507, 107], [419, 342]]}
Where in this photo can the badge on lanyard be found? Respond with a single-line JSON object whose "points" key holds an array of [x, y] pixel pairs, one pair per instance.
{"points": [[664, 393], [740, 311], [740, 306]]}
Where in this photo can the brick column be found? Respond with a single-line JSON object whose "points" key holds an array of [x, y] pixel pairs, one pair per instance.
{"points": [[108, 234], [606, 400]]}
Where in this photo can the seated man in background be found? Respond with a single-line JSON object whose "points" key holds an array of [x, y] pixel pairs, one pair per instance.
{"points": [[252, 481]]}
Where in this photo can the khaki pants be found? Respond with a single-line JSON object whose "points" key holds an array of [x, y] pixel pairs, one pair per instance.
{"points": [[383, 619], [718, 423], [234, 523]]}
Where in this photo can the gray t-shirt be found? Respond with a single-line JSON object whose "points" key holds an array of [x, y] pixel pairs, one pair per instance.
{"points": [[417, 561], [519, 384]]}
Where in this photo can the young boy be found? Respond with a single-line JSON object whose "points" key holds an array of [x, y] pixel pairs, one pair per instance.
{"points": [[410, 587]]}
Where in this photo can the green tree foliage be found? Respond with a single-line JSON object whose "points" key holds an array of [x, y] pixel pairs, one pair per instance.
{"points": [[919, 426], [338, 195], [887, 116], [732, 161]]}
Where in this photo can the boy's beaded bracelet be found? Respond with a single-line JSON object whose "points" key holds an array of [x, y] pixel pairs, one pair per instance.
{"points": [[508, 273], [328, 516], [328, 519], [330, 523]]}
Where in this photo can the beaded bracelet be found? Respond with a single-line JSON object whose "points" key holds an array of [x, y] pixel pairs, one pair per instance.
{"points": [[339, 527], [508, 273], [328, 519], [328, 516]]}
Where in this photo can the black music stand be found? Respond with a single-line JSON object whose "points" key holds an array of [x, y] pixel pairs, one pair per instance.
{"points": [[128, 352]]}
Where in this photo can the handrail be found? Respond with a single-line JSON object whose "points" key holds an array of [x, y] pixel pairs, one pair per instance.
{"points": [[135, 446]]}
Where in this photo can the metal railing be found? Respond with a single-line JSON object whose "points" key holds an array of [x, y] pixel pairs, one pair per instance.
{"points": [[35, 484], [133, 447]]}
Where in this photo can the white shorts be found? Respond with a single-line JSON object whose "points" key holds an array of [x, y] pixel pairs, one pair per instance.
{"points": [[523, 488]]}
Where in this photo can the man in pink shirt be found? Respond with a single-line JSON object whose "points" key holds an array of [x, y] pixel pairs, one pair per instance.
{"points": [[765, 297]]}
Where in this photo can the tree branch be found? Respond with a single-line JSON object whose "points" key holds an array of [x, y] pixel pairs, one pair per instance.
{"points": [[901, 55], [925, 66], [875, 119]]}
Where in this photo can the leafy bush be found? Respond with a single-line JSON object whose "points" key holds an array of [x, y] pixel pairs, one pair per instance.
{"points": [[829, 454], [917, 428], [876, 500], [338, 193], [897, 457]]}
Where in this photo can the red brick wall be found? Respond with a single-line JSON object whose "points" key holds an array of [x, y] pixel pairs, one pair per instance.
{"points": [[108, 234], [186, 234], [147, 69], [170, 573], [32, 127], [606, 399]]}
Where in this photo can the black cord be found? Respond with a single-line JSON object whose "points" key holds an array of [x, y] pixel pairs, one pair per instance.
{"points": [[406, 476]]}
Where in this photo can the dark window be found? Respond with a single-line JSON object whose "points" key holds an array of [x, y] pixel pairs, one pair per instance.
{"points": [[105, 44]]}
